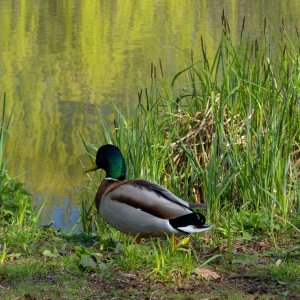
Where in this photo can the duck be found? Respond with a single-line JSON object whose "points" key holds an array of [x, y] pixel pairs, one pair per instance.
{"points": [[139, 207]]}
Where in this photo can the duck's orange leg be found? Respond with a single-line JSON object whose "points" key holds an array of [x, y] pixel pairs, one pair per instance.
{"points": [[138, 240], [175, 241]]}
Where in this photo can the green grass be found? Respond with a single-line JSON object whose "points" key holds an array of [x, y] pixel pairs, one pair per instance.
{"points": [[60, 265], [288, 272]]}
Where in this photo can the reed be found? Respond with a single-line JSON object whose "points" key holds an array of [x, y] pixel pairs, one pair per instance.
{"points": [[230, 137]]}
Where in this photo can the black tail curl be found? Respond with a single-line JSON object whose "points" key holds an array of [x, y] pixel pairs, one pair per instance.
{"points": [[195, 219]]}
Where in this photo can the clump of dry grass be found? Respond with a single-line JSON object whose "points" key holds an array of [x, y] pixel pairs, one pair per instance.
{"points": [[198, 132]]}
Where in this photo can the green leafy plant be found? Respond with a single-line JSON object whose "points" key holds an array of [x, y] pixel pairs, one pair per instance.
{"points": [[15, 201], [89, 261]]}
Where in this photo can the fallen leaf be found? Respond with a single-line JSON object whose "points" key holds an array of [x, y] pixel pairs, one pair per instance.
{"points": [[278, 262], [206, 274]]}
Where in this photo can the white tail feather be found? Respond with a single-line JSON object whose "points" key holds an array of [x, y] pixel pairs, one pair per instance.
{"points": [[193, 229]]}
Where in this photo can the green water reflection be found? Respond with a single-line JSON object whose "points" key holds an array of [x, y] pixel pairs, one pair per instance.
{"points": [[61, 60]]}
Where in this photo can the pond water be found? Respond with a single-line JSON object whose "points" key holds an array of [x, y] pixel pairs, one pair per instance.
{"points": [[62, 60]]}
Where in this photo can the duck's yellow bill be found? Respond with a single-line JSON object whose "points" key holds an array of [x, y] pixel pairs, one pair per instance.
{"points": [[92, 168]]}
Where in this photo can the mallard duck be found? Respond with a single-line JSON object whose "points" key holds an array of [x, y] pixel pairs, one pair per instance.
{"points": [[140, 207]]}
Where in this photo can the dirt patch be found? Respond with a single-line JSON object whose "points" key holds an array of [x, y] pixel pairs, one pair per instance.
{"points": [[134, 285], [252, 284]]}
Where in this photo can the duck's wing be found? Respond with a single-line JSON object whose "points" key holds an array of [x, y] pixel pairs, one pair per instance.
{"points": [[166, 193], [148, 197]]}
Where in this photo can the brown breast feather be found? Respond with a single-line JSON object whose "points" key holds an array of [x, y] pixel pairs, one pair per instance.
{"points": [[105, 187]]}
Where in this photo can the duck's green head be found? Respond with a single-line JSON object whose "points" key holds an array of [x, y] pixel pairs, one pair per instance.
{"points": [[110, 159]]}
